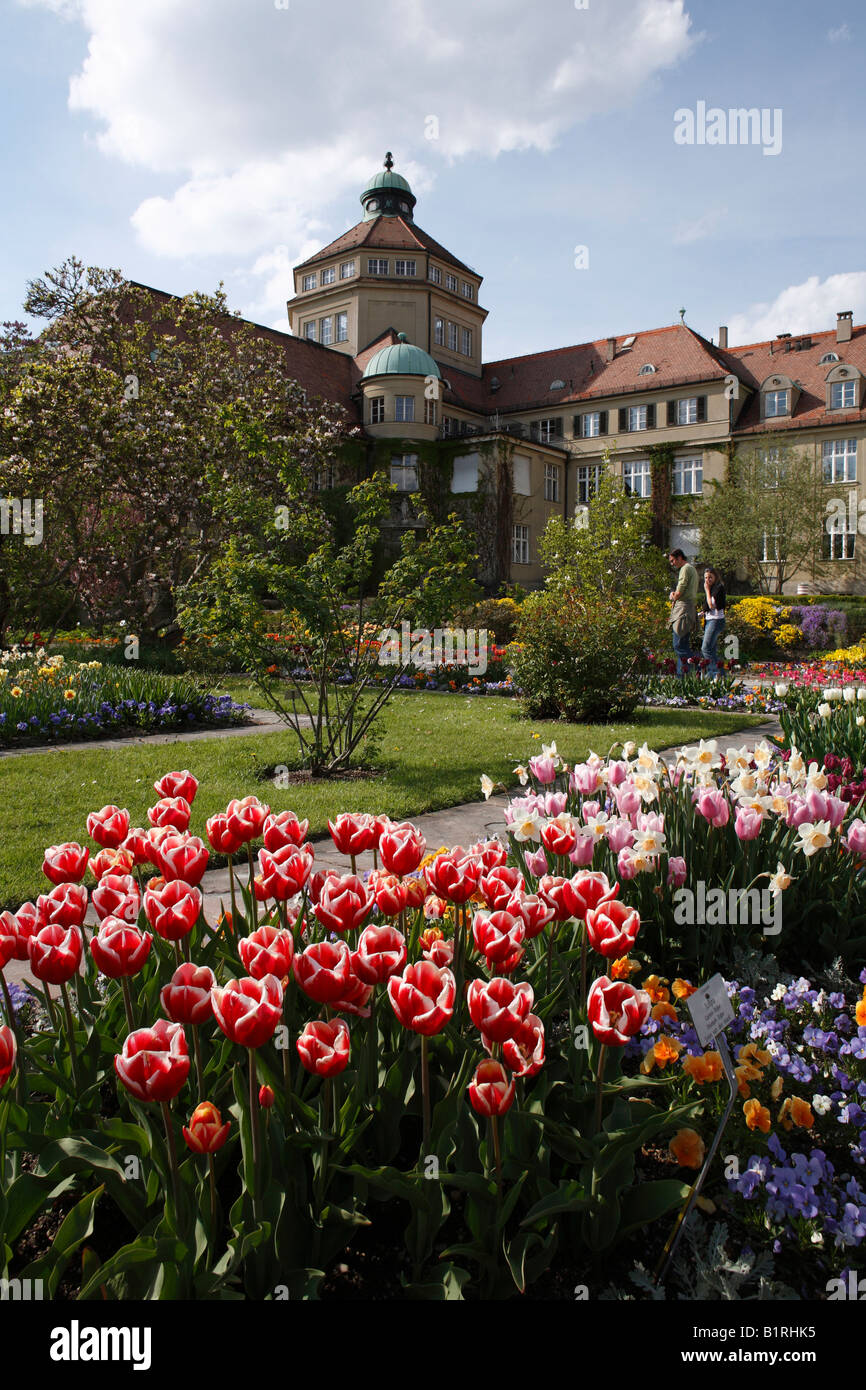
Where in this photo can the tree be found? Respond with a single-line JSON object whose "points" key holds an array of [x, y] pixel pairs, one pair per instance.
{"points": [[769, 515]]}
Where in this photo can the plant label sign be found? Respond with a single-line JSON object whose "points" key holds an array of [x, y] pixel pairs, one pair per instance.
{"points": [[711, 1009]]}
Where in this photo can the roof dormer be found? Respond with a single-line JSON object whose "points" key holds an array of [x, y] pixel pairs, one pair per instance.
{"points": [[779, 395], [844, 387]]}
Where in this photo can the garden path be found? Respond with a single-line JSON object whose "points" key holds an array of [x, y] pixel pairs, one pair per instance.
{"points": [[262, 721]]}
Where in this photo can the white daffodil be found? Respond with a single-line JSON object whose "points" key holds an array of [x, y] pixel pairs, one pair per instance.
{"points": [[527, 828], [649, 842], [486, 786], [628, 749], [816, 781], [744, 785], [781, 879], [598, 825], [764, 754], [521, 774], [702, 754], [647, 758], [740, 758], [548, 750], [814, 835], [645, 786]]}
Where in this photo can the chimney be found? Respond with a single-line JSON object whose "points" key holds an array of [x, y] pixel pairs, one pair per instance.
{"points": [[844, 325], [611, 349], [723, 337]]}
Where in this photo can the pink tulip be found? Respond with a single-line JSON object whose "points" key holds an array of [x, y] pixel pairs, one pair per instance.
{"points": [[583, 851], [747, 823], [714, 806], [584, 779], [855, 840], [619, 835], [536, 862], [626, 866], [617, 773], [554, 803], [627, 799], [543, 770], [676, 872]]}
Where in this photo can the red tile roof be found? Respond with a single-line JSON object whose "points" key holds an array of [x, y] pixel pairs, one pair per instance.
{"points": [[757, 361], [386, 233]]}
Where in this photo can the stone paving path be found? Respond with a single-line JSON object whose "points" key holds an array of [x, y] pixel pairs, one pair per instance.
{"points": [[264, 721], [456, 825]]}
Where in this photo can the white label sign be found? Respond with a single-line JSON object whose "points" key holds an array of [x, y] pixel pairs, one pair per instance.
{"points": [[711, 1009]]}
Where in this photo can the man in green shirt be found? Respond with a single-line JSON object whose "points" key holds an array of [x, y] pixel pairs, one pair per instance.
{"points": [[684, 611]]}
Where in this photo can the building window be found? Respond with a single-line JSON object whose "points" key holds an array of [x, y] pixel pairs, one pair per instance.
{"points": [[323, 478], [520, 545], [435, 274], [451, 283], [404, 408], [464, 475], [439, 332], [775, 403], [590, 425], [326, 330], [309, 281], [342, 328], [467, 290], [452, 336], [838, 540], [636, 478], [588, 479], [769, 553], [840, 460], [687, 411], [310, 330], [431, 412], [772, 468], [520, 474], [688, 476], [377, 410], [377, 266], [347, 270], [404, 472], [637, 417], [843, 395], [404, 267], [549, 429], [551, 482], [466, 342], [329, 275]]}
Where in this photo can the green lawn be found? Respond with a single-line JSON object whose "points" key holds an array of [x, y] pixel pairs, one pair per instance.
{"points": [[434, 750]]}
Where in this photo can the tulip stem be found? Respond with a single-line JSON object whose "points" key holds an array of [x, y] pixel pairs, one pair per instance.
{"points": [[252, 885], [127, 1004], [323, 1156], [199, 1069], [232, 890], [213, 1194], [583, 954], [254, 1130], [497, 1152], [172, 1156], [70, 1029], [425, 1094], [373, 1048], [19, 1042], [599, 1086]]}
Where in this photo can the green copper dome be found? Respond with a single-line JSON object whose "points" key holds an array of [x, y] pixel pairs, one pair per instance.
{"points": [[388, 194], [401, 359]]}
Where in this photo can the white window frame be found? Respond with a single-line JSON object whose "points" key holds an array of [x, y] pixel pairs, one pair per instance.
{"points": [[843, 389], [637, 471], [768, 540], [347, 270], [590, 425], [451, 282], [688, 408], [439, 332], [836, 452], [588, 480], [467, 290], [466, 341], [547, 429], [771, 403], [408, 273], [551, 482], [404, 468], [323, 478], [519, 544], [311, 329], [329, 275], [840, 538], [688, 476], [326, 330], [309, 282], [404, 409], [377, 410], [434, 274], [378, 262], [431, 412], [342, 326], [452, 336], [637, 418], [771, 459]]}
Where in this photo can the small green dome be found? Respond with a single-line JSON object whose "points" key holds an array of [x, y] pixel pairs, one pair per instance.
{"points": [[386, 178], [401, 359], [388, 194]]}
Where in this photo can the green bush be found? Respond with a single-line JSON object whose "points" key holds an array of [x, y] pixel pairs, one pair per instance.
{"points": [[499, 616], [580, 657]]}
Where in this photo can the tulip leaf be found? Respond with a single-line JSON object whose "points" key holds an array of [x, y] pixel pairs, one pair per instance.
{"points": [[442, 1285], [75, 1228], [650, 1200], [144, 1250], [569, 1196]]}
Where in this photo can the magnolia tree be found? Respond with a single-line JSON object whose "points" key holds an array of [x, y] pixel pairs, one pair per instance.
{"points": [[151, 430]]}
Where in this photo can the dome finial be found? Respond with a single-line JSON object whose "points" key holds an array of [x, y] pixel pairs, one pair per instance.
{"points": [[389, 161]]}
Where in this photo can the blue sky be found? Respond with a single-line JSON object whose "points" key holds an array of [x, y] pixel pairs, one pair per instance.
{"points": [[188, 141]]}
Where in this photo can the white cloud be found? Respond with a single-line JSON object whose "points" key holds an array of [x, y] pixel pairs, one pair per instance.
{"points": [[810, 307], [839, 35], [698, 230]]}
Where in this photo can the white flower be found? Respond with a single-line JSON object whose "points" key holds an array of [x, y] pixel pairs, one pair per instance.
{"points": [[861, 692], [814, 835], [849, 694], [782, 689], [486, 786], [529, 828], [702, 755], [548, 750], [779, 881], [822, 1105], [825, 710], [740, 758], [860, 721], [628, 749], [779, 993], [521, 773]]}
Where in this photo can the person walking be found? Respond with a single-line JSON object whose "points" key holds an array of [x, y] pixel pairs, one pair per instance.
{"points": [[684, 612], [714, 614]]}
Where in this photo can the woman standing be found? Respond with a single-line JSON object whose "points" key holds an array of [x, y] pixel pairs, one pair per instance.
{"points": [[714, 613]]}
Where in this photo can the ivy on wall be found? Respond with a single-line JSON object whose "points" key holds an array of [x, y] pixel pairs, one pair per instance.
{"points": [[661, 458]]}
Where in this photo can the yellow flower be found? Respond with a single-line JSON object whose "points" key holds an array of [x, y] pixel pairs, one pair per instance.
{"points": [[757, 1115], [69, 694], [16, 691]]}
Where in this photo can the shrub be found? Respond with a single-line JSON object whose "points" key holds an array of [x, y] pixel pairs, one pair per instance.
{"points": [[581, 657], [821, 627], [498, 615]]}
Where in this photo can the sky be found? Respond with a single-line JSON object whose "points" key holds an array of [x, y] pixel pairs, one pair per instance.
{"points": [[579, 154]]}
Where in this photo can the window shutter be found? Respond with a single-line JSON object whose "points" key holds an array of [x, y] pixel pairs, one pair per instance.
{"points": [[623, 419], [557, 427], [702, 409], [602, 422], [576, 427], [672, 412], [651, 417]]}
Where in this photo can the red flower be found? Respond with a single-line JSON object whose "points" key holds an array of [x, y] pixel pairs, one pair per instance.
{"points": [[381, 953], [285, 871], [324, 971], [173, 811], [206, 1132], [8, 1050], [423, 997], [352, 833], [524, 1052], [416, 891], [119, 948], [324, 1047], [9, 939], [437, 950], [172, 909], [112, 861], [245, 819], [268, 951], [65, 905], [534, 911], [154, 1063], [497, 1007], [490, 854], [390, 893], [611, 929], [177, 784], [181, 857], [117, 895], [592, 889], [558, 838], [344, 904], [560, 894], [284, 829], [498, 884], [454, 875], [401, 848], [223, 840], [55, 953], [27, 919], [108, 827], [616, 1010], [499, 937], [186, 998], [248, 1011], [491, 1090], [136, 844], [65, 863], [266, 1097]]}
